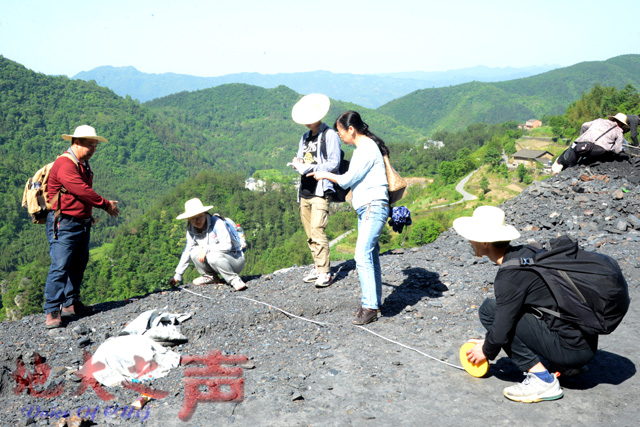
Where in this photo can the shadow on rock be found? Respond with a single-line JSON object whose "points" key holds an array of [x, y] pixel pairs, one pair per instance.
{"points": [[417, 285], [605, 368], [343, 270]]}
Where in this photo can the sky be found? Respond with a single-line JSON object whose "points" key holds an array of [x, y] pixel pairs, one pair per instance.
{"points": [[218, 37]]}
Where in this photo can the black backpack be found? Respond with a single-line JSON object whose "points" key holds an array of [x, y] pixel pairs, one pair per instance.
{"points": [[588, 287], [340, 194]]}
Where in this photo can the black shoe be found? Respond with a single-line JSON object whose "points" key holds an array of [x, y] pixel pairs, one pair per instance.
{"points": [[367, 315]]}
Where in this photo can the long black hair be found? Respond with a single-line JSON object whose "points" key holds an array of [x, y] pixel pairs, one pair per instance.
{"points": [[352, 118]]}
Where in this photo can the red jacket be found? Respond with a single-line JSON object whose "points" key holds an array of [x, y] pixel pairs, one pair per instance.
{"points": [[80, 198]]}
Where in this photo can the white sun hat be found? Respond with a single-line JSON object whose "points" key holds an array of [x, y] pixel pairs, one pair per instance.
{"points": [[311, 109], [486, 225], [622, 119], [193, 207], [84, 131]]}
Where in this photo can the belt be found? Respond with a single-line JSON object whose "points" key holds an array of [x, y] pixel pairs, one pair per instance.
{"points": [[83, 221]]}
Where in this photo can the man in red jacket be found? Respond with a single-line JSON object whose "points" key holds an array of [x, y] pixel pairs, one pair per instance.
{"points": [[69, 234]]}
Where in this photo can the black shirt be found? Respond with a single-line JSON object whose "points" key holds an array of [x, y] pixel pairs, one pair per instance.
{"points": [[310, 149], [519, 292]]}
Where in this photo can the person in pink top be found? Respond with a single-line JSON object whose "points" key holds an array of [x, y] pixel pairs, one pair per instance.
{"points": [[68, 235]]}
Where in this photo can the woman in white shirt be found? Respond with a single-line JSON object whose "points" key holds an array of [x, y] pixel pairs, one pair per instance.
{"points": [[368, 182], [210, 248]]}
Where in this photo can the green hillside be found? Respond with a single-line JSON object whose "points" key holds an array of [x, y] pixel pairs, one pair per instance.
{"points": [[141, 160], [549, 93], [153, 152], [246, 128]]}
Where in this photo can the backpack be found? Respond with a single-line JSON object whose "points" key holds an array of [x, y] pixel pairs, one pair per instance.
{"points": [[238, 240], [35, 193], [339, 194], [588, 287]]}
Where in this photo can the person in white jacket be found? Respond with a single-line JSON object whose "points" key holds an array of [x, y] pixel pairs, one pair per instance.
{"points": [[210, 247], [599, 140]]}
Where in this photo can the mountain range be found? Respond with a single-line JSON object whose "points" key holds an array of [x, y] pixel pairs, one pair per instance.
{"points": [[537, 96], [368, 90]]}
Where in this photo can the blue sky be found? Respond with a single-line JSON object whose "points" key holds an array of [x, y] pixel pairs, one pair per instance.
{"points": [[212, 38]]}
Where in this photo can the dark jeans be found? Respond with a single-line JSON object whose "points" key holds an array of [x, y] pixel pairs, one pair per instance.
{"points": [[69, 256], [533, 337]]}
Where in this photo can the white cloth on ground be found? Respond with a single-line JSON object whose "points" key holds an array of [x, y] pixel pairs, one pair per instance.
{"points": [[123, 357], [158, 325]]}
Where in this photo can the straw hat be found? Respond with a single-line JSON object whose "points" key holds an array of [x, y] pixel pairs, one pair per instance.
{"points": [[486, 225], [622, 119], [311, 109], [84, 131], [193, 207]]}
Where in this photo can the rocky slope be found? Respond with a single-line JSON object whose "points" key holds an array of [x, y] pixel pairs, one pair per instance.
{"points": [[333, 373]]}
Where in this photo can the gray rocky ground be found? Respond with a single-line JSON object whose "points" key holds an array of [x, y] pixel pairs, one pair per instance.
{"points": [[303, 373]]}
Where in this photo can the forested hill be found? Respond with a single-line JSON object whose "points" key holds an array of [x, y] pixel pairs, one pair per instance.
{"points": [[153, 151], [141, 160], [533, 97], [250, 128]]}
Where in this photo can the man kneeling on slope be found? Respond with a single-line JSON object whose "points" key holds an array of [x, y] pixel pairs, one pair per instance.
{"points": [[512, 321]]}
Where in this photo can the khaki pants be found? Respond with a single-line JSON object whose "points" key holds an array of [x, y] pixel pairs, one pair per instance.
{"points": [[314, 213]]}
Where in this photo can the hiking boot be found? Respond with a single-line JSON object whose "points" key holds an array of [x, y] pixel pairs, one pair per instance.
{"points": [[77, 309], [53, 320], [204, 280], [366, 315], [323, 280], [312, 276], [533, 389], [238, 284]]}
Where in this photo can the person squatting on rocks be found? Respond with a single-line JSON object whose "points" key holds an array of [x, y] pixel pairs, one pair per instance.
{"points": [[69, 235], [512, 322], [367, 179], [599, 139], [210, 248], [314, 195]]}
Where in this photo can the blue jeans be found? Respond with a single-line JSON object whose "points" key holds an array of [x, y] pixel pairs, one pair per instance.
{"points": [[69, 256], [371, 220]]}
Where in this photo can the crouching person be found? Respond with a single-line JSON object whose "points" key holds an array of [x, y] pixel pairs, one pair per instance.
{"points": [[209, 246], [512, 319]]}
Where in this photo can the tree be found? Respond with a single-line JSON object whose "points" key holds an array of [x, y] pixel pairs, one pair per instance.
{"points": [[521, 171], [492, 157], [484, 184]]}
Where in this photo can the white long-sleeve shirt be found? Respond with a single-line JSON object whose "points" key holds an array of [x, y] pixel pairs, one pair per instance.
{"points": [[366, 176], [605, 133], [213, 238]]}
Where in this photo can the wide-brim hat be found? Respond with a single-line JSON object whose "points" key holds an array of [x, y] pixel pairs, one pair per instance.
{"points": [[85, 131], [193, 207], [622, 119], [486, 225], [311, 109]]}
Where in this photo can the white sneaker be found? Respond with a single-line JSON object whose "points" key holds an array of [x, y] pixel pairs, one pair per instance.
{"points": [[203, 280], [533, 389], [556, 168], [323, 280], [238, 284], [312, 276]]}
